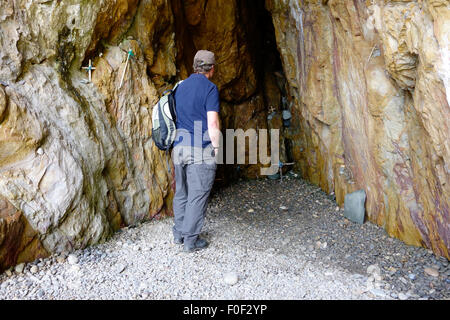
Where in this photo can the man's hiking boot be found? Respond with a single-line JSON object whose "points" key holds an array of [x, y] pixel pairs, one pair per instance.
{"points": [[198, 245]]}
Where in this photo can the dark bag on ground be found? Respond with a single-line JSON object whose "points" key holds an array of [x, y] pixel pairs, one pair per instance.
{"points": [[164, 119]]}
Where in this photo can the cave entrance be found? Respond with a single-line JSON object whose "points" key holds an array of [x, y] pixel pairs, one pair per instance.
{"points": [[271, 85], [256, 95]]}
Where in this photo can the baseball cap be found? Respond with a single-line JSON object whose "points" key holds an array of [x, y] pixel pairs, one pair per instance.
{"points": [[204, 57]]}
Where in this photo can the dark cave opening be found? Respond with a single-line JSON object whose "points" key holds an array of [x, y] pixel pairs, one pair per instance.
{"points": [[271, 82], [256, 41]]}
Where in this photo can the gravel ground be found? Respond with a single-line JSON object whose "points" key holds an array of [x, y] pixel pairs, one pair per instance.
{"points": [[269, 240]]}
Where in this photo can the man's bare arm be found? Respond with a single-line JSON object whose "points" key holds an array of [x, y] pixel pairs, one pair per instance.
{"points": [[214, 128]]}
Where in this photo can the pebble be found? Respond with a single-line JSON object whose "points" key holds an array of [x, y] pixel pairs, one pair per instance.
{"points": [[373, 269], [75, 268], [230, 278], [378, 292], [72, 259], [432, 272], [40, 293], [284, 208], [19, 268], [377, 277], [120, 268], [412, 276], [402, 296], [34, 269]]}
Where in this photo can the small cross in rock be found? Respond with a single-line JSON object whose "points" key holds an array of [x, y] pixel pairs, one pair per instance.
{"points": [[272, 109], [89, 68]]}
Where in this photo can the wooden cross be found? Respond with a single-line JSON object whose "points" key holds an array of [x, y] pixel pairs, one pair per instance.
{"points": [[89, 68]]}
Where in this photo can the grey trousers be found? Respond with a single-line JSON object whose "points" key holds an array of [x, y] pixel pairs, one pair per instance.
{"points": [[195, 170]]}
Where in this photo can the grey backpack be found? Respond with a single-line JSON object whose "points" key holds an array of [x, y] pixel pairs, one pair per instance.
{"points": [[164, 119]]}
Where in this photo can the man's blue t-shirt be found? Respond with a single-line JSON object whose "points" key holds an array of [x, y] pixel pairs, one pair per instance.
{"points": [[194, 97]]}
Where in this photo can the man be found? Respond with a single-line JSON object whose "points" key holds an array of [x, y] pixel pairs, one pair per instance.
{"points": [[195, 148]]}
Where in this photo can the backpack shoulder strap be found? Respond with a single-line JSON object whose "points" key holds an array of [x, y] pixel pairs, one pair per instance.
{"points": [[176, 85]]}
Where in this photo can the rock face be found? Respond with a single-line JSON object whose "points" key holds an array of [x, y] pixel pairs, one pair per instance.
{"points": [[371, 88], [367, 85], [77, 158]]}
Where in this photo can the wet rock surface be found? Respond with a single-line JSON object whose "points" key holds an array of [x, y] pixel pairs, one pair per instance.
{"points": [[307, 250]]}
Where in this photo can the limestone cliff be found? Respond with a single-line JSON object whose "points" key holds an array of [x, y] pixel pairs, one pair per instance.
{"points": [[367, 83]]}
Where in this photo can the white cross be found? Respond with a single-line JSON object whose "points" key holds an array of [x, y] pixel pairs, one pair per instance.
{"points": [[89, 68], [272, 109]]}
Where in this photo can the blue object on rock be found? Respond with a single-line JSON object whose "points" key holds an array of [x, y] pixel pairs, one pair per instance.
{"points": [[275, 176], [354, 206], [287, 118]]}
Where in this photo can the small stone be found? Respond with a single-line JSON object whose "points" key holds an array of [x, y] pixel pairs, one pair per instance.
{"points": [[358, 291], [34, 269], [72, 259], [19, 268], [374, 269], [412, 276], [284, 208], [378, 292], [74, 268], [435, 266], [354, 209], [432, 272], [377, 277], [8, 273], [40, 293], [61, 259], [230, 278], [251, 211], [120, 268], [318, 245], [402, 296], [392, 270], [403, 280]]}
